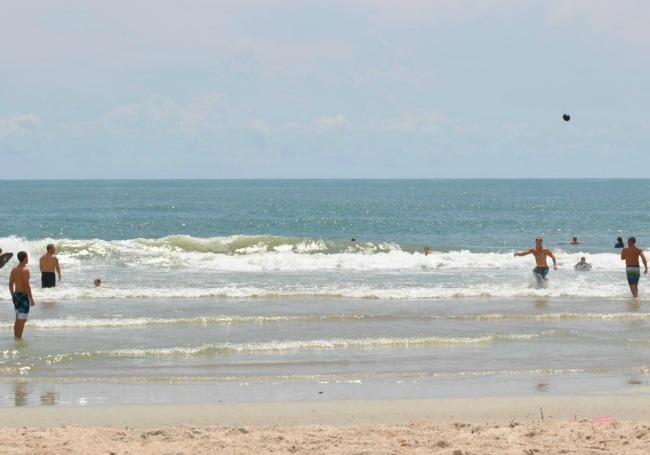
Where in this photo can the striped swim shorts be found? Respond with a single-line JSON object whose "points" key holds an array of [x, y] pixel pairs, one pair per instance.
{"points": [[633, 274]]}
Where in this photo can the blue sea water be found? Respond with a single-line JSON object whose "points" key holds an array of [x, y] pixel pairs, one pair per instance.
{"points": [[268, 289]]}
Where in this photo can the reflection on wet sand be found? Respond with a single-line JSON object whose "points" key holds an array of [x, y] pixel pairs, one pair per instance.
{"points": [[50, 398], [21, 395]]}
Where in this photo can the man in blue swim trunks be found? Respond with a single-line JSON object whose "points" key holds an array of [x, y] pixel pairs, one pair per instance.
{"points": [[21, 293], [540, 254], [631, 255]]}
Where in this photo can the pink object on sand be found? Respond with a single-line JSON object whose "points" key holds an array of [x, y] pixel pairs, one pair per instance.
{"points": [[603, 420]]}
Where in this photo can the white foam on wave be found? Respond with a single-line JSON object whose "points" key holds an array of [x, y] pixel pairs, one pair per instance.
{"points": [[210, 350], [185, 267], [250, 253], [273, 289], [289, 260]]}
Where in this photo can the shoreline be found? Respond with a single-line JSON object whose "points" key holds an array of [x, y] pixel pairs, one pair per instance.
{"points": [[102, 392], [344, 413]]}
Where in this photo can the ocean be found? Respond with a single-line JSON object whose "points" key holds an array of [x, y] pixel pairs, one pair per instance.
{"points": [[256, 290]]}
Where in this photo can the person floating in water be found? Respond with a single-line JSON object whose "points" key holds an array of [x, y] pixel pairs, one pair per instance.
{"points": [[631, 255], [574, 241], [426, 250], [619, 243], [540, 253], [582, 265]]}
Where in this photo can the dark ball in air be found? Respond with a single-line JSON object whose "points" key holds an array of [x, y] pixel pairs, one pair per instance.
{"points": [[566, 117]]}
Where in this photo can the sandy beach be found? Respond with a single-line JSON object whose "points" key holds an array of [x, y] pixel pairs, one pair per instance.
{"points": [[455, 426]]}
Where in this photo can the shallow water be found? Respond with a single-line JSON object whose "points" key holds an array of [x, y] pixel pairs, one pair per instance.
{"points": [[255, 349]]}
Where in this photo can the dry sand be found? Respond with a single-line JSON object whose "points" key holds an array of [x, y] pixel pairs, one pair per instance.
{"points": [[462, 426]]}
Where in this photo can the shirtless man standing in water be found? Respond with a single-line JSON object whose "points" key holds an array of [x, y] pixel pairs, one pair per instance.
{"points": [[631, 255], [21, 293], [49, 264], [540, 254]]}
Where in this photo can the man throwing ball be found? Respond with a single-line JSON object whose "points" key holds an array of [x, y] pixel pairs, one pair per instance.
{"points": [[540, 253]]}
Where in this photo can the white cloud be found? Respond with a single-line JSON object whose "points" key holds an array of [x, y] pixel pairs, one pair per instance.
{"points": [[320, 124], [159, 114], [151, 113], [327, 123], [406, 122], [19, 125], [259, 126], [207, 111]]}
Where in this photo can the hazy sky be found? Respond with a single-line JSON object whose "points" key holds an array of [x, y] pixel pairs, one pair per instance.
{"points": [[324, 89]]}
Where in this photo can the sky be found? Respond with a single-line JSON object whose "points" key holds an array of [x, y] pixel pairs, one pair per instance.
{"points": [[198, 89]]}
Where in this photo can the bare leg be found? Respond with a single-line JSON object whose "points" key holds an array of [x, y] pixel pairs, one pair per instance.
{"points": [[19, 326], [635, 290]]}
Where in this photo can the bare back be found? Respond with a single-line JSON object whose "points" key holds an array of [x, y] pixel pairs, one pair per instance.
{"points": [[48, 263], [19, 279], [631, 255]]}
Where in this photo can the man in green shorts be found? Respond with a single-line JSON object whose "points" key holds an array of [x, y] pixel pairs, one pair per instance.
{"points": [[631, 254]]}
